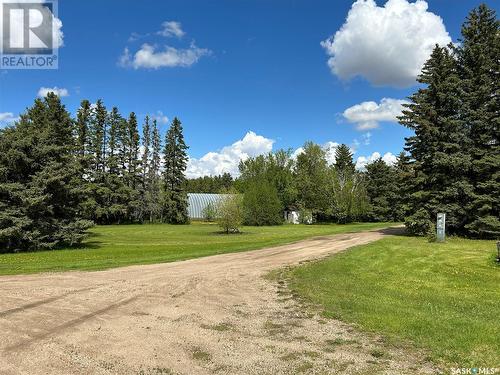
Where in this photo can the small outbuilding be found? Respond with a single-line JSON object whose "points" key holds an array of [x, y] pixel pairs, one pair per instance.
{"points": [[292, 216]]}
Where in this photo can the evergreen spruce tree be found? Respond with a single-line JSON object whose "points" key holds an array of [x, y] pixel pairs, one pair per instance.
{"points": [[350, 201], [404, 174], [99, 187], [175, 155], [40, 182], [82, 132], [479, 64], [145, 173], [119, 192], [381, 190], [146, 153], [115, 120], [133, 168], [154, 190], [132, 151], [122, 149], [440, 182], [98, 140], [344, 159]]}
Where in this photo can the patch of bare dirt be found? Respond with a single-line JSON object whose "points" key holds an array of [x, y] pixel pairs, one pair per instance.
{"points": [[213, 315]]}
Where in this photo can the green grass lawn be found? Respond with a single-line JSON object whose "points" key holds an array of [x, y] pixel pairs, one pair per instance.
{"points": [[122, 245], [442, 297]]}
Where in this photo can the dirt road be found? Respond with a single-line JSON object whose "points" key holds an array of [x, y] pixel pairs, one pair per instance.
{"points": [[214, 315]]}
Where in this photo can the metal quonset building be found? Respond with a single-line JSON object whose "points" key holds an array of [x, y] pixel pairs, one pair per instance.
{"points": [[198, 202]]}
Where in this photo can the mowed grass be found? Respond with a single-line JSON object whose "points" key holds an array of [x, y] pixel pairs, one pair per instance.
{"points": [[441, 297], [122, 245]]}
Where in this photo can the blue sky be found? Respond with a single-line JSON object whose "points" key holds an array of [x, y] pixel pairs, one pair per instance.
{"points": [[226, 68]]}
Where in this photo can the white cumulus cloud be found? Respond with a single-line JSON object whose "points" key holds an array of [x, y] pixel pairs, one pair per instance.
{"points": [[387, 45], [171, 28], [160, 118], [7, 118], [228, 158], [61, 92], [367, 115], [330, 149], [362, 161], [149, 57]]}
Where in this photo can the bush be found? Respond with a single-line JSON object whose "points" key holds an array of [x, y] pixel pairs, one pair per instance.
{"points": [[230, 213], [210, 212], [262, 205], [419, 223], [431, 233], [305, 216]]}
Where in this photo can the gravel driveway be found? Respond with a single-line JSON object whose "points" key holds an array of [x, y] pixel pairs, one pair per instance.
{"points": [[213, 315]]}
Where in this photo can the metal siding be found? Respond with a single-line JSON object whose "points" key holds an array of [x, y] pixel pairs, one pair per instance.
{"points": [[198, 202]]}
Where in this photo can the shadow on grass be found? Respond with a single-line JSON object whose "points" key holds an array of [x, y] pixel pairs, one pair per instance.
{"points": [[92, 245], [223, 233], [395, 231]]}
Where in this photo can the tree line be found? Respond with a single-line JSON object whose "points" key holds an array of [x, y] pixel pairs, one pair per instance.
{"points": [[451, 164], [60, 175]]}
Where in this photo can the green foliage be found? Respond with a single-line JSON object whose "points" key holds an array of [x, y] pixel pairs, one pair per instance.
{"points": [[210, 212], [344, 159], [109, 195], [439, 183], [311, 174], [432, 233], [175, 163], [40, 188], [402, 186], [419, 223], [455, 152], [305, 216], [230, 212], [479, 68], [153, 191], [350, 201], [277, 169], [441, 297], [210, 184], [381, 189], [262, 205]]}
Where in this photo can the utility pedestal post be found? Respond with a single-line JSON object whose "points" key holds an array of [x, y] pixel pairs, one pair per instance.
{"points": [[441, 227]]}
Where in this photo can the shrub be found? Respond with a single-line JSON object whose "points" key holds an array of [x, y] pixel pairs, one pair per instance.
{"points": [[419, 223], [210, 212], [305, 216], [230, 213], [431, 233], [262, 205]]}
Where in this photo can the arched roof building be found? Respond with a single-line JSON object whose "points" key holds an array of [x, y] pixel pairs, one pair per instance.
{"points": [[198, 202]]}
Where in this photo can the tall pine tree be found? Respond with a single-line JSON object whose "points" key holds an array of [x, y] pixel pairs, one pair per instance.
{"points": [[440, 181], [133, 168], [402, 186], [154, 172], [350, 201], [480, 83], [175, 159], [380, 187]]}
